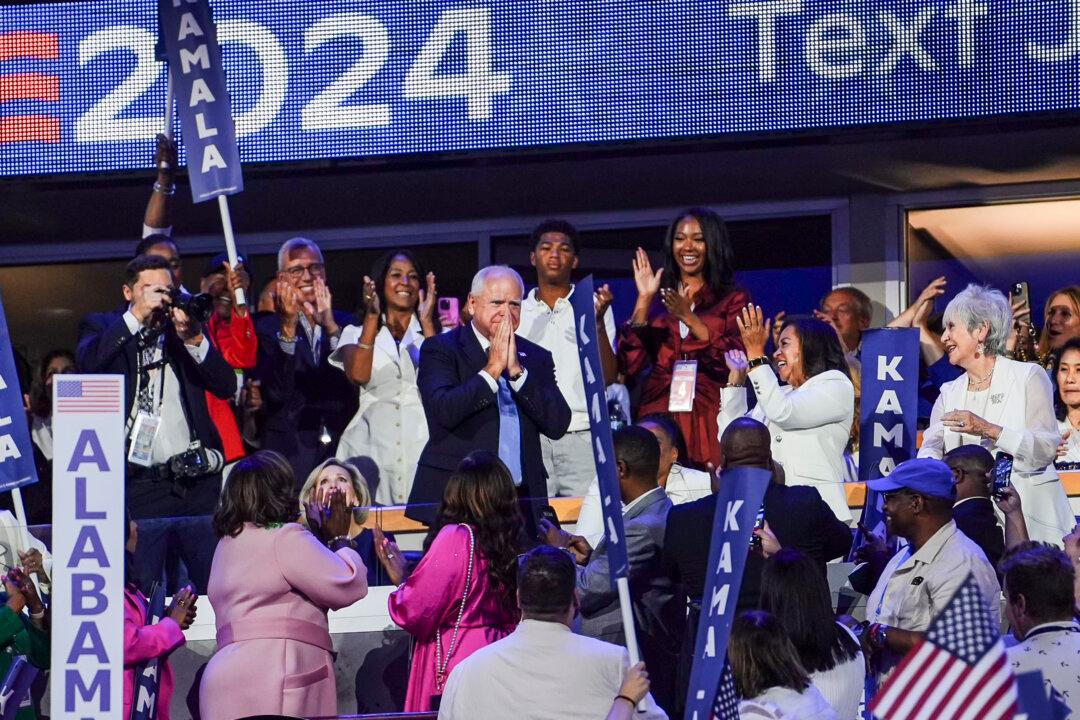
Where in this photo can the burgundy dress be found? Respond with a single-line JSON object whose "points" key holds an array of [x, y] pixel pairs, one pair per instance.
{"points": [[658, 345], [428, 601]]}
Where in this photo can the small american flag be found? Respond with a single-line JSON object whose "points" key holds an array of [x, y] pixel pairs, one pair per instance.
{"points": [[726, 706], [960, 669], [89, 396]]}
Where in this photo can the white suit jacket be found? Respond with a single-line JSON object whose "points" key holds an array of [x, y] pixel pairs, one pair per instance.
{"points": [[810, 428], [1021, 402], [541, 671]]}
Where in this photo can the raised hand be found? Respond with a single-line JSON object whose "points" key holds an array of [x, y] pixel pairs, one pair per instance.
{"points": [[371, 298], [389, 556], [237, 279], [497, 353], [647, 281], [428, 300], [753, 329], [737, 365], [602, 302], [323, 311], [287, 305], [182, 609], [33, 564]]}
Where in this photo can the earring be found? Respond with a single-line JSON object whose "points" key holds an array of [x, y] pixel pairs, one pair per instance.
{"points": [[980, 350]]}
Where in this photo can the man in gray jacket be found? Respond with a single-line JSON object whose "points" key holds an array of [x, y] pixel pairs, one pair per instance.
{"points": [[656, 609]]}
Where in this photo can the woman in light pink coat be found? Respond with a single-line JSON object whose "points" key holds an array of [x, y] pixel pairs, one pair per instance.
{"points": [[462, 595], [271, 585]]}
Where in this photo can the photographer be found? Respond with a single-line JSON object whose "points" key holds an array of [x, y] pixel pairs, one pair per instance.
{"points": [[174, 450]]}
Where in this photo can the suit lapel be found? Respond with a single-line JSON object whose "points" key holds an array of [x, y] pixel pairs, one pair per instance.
{"points": [[471, 347], [1001, 385]]}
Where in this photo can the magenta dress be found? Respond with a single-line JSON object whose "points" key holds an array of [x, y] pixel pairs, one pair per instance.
{"points": [[428, 602], [270, 589]]}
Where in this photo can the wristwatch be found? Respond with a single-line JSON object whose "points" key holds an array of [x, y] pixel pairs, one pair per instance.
{"points": [[516, 377], [757, 362]]}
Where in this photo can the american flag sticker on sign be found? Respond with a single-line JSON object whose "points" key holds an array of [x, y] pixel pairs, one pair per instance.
{"points": [[104, 395]]}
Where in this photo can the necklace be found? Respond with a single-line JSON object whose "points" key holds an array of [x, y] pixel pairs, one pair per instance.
{"points": [[976, 382]]}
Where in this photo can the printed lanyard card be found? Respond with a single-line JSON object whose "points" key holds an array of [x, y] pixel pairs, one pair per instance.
{"points": [[143, 433], [683, 384]]}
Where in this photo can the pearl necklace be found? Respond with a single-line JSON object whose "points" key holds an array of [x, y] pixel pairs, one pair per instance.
{"points": [[441, 664], [974, 382]]}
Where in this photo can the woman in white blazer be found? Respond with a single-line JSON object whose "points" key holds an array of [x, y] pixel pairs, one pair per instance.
{"points": [[809, 418], [1002, 405], [381, 357]]}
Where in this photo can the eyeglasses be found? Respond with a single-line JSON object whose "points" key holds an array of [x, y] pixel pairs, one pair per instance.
{"points": [[297, 272], [904, 492]]}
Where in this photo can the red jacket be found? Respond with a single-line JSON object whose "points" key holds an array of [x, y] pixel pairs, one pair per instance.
{"points": [[659, 345], [237, 342]]}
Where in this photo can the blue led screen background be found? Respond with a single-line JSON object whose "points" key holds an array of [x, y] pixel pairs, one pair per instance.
{"points": [[80, 90]]}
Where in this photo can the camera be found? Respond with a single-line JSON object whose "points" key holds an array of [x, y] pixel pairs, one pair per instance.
{"points": [[198, 307], [195, 462]]}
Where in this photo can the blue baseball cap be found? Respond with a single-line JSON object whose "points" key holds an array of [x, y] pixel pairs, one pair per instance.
{"points": [[925, 476]]}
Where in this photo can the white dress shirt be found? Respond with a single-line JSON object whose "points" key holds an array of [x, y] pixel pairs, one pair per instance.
{"points": [[553, 329], [541, 671], [174, 433]]}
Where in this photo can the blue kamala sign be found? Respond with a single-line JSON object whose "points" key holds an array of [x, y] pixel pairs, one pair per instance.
{"points": [[349, 78]]}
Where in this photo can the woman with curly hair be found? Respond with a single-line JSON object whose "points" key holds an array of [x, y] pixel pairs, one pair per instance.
{"points": [[462, 595]]}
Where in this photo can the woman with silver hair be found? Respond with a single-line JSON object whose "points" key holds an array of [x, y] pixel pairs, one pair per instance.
{"points": [[1002, 405]]}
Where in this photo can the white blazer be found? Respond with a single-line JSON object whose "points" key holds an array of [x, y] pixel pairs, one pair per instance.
{"points": [[810, 427], [389, 429], [1021, 402]]}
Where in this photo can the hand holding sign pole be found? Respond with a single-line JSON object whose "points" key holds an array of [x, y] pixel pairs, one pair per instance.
{"points": [[197, 77], [604, 453]]}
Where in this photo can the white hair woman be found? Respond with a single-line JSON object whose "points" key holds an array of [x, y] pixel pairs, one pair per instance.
{"points": [[1001, 404], [333, 474]]}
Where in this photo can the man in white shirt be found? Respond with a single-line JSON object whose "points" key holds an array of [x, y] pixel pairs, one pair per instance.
{"points": [[542, 670], [1040, 606], [547, 319], [921, 578]]}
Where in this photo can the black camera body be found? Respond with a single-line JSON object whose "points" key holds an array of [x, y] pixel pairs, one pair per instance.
{"points": [[198, 307], [195, 462]]}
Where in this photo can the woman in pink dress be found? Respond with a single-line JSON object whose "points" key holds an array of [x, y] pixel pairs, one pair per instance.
{"points": [[463, 593], [271, 584]]}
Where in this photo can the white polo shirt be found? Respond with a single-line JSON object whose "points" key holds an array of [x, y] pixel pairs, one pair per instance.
{"points": [[553, 330]]}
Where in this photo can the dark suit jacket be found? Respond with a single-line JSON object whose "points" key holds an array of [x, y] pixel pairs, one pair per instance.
{"points": [[463, 413], [975, 517], [301, 395], [658, 613], [797, 516], [107, 346]]}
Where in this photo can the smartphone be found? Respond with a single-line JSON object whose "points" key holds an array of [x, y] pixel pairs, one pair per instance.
{"points": [[548, 513], [1002, 476], [1019, 292], [759, 524], [448, 308]]}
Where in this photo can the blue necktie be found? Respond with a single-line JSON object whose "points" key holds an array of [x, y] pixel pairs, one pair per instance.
{"points": [[509, 431]]}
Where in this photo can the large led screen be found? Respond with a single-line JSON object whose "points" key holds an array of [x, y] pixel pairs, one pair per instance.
{"points": [[80, 90]]}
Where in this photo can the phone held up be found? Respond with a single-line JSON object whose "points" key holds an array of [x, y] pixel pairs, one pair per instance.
{"points": [[1002, 474], [1019, 293], [448, 307]]}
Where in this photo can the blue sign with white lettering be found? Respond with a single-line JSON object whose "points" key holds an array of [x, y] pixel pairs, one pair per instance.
{"points": [[352, 78], [194, 57], [17, 467]]}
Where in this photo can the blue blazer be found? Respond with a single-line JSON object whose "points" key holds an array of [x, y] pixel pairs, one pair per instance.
{"points": [[463, 413]]}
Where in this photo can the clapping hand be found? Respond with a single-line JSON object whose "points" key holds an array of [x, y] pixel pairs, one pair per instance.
{"points": [[603, 302], [1063, 446], [287, 305], [647, 281], [428, 300], [182, 609], [371, 298], [323, 310], [736, 362], [754, 330], [677, 302], [389, 555], [498, 353], [327, 515]]}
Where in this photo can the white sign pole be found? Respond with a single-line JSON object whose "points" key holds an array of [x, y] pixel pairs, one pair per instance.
{"points": [[230, 241], [88, 547]]}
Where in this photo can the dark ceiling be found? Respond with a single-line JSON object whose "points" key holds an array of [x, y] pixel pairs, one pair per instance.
{"points": [[453, 188]]}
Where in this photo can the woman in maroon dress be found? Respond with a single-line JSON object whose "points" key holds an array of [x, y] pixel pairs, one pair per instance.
{"points": [[685, 312]]}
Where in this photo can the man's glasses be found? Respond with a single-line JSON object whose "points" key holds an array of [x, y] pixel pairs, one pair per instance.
{"points": [[316, 270]]}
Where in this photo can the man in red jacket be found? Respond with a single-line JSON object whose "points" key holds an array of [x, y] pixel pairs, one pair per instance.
{"points": [[232, 332]]}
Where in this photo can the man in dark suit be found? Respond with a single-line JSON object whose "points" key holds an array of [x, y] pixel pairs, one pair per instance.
{"points": [[795, 515], [307, 401], [174, 474], [973, 510], [484, 388]]}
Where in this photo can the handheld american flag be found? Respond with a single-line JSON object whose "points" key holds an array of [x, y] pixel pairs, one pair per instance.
{"points": [[958, 671]]}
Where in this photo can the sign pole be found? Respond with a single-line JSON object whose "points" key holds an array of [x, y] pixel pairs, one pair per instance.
{"points": [[230, 241], [169, 92], [20, 516]]}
